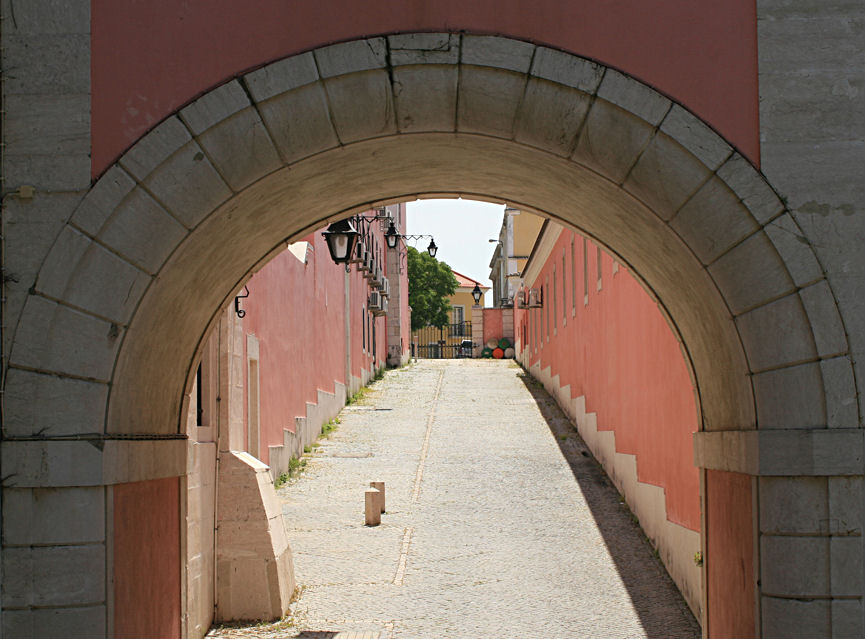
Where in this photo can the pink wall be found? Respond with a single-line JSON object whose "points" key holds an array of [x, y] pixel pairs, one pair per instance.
{"points": [[150, 58], [147, 559], [493, 326], [619, 352], [730, 555], [297, 313]]}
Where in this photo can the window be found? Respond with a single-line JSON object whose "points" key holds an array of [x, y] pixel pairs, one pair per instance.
{"points": [[585, 272], [599, 268], [573, 277], [555, 304], [458, 325], [547, 306], [363, 326], [564, 293]]}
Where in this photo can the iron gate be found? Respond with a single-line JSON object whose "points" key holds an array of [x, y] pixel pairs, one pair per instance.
{"points": [[447, 342]]}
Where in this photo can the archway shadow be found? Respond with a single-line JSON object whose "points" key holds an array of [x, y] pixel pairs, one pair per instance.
{"points": [[662, 611]]}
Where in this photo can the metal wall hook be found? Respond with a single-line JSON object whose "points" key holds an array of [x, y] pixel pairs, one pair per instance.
{"points": [[240, 312]]}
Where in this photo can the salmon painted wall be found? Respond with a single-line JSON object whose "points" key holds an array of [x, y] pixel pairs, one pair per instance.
{"points": [[493, 325], [618, 351], [150, 58], [147, 564], [297, 313], [729, 555]]}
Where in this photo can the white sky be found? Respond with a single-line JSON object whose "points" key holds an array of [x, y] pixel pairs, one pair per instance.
{"points": [[461, 229]]}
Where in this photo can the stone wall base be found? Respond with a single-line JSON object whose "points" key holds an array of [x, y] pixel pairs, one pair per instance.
{"points": [[254, 566]]}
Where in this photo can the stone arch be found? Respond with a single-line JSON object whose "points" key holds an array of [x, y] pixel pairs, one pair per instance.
{"points": [[305, 140]]}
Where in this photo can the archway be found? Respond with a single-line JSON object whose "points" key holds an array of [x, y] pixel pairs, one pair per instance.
{"points": [[168, 234]]}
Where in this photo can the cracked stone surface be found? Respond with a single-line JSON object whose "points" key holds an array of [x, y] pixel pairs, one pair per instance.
{"points": [[498, 524]]}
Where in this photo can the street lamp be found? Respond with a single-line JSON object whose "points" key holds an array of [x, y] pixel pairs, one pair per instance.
{"points": [[391, 237], [432, 249], [341, 237], [477, 293]]}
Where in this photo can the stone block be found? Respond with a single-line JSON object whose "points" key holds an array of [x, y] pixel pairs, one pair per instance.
{"points": [[847, 566], [57, 269], [155, 148], [281, 76], [51, 405], [37, 464], [47, 173], [848, 619], [48, 64], [693, 134], [101, 201], [494, 51], [47, 16], [39, 516], [241, 149], [564, 68], [665, 176], [822, 311], [750, 274], [53, 575], [751, 187], [142, 231], [795, 566], [214, 107], [846, 499], [713, 221], [92, 279], [425, 97], [351, 57], [790, 398], [424, 48], [550, 116], [633, 96], [794, 505], [362, 105], [59, 339], [786, 618], [299, 122], [795, 249], [611, 140], [776, 334], [55, 623], [188, 185], [840, 385], [488, 100], [47, 124]]}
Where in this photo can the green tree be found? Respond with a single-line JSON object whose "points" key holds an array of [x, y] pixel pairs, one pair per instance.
{"points": [[430, 283]]}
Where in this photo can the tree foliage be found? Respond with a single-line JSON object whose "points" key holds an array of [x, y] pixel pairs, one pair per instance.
{"points": [[430, 283]]}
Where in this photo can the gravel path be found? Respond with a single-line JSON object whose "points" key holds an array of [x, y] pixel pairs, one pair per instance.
{"points": [[499, 523]]}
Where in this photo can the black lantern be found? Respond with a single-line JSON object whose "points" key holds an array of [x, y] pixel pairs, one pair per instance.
{"points": [[341, 237], [391, 236], [432, 249], [477, 293]]}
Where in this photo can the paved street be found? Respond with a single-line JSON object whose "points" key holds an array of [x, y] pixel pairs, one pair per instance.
{"points": [[490, 532]]}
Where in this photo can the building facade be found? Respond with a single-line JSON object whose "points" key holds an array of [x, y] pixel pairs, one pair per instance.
{"points": [[599, 344], [715, 147]]}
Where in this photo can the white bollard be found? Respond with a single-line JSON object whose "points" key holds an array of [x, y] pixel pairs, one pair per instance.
{"points": [[379, 486], [372, 507]]}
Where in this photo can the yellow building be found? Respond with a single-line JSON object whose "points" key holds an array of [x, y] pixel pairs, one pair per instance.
{"points": [[448, 341], [516, 239]]}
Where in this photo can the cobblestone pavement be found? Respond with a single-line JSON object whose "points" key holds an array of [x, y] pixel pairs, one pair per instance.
{"points": [[498, 524]]}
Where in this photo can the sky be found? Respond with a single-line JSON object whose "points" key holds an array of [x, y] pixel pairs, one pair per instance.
{"points": [[462, 230]]}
